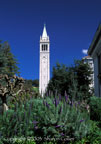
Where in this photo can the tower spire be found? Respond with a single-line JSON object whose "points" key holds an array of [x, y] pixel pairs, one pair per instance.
{"points": [[44, 35]]}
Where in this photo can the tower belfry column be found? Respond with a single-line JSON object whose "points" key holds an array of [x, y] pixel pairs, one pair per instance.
{"points": [[44, 74]]}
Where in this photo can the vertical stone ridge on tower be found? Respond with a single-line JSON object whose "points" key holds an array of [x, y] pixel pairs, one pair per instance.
{"points": [[44, 74]]}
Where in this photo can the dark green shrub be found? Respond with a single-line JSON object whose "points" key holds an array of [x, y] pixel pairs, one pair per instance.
{"points": [[58, 119], [94, 137], [17, 122], [95, 108], [16, 141], [51, 119], [73, 80], [95, 134]]}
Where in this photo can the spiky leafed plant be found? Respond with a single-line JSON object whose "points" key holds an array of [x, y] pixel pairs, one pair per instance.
{"points": [[47, 117]]}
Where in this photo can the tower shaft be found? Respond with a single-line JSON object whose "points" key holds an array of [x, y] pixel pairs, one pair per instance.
{"points": [[44, 74]]}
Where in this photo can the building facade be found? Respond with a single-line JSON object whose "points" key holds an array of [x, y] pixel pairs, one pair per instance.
{"points": [[95, 52], [89, 60], [44, 73]]}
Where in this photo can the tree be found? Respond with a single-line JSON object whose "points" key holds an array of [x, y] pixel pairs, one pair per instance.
{"points": [[8, 62], [83, 75], [3, 59], [30, 83], [13, 86], [74, 80], [61, 79], [8, 68], [35, 83]]}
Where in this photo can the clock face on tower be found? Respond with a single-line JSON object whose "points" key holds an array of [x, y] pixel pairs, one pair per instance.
{"points": [[44, 57]]}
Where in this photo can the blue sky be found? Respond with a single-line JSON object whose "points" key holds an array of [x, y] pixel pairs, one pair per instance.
{"points": [[71, 25]]}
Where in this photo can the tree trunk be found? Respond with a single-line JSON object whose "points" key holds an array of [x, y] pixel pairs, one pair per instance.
{"points": [[5, 107]]}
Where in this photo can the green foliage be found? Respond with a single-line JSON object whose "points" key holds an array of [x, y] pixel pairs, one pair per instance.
{"points": [[48, 117], [59, 119], [94, 137], [95, 134], [83, 72], [15, 140], [30, 83], [12, 101], [55, 119], [73, 80], [95, 108], [83, 76], [35, 83], [8, 63], [16, 123], [3, 59], [31, 86], [60, 80]]}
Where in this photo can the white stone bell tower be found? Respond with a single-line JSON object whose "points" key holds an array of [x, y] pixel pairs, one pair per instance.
{"points": [[44, 74]]}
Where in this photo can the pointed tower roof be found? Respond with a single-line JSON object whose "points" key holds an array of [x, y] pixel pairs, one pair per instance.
{"points": [[44, 35]]}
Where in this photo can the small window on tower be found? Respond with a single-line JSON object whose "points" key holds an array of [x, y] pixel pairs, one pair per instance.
{"points": [[46, 47], [42, 48]]}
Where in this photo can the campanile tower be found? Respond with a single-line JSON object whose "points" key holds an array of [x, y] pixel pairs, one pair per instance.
{"points": [[44, 74]]}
